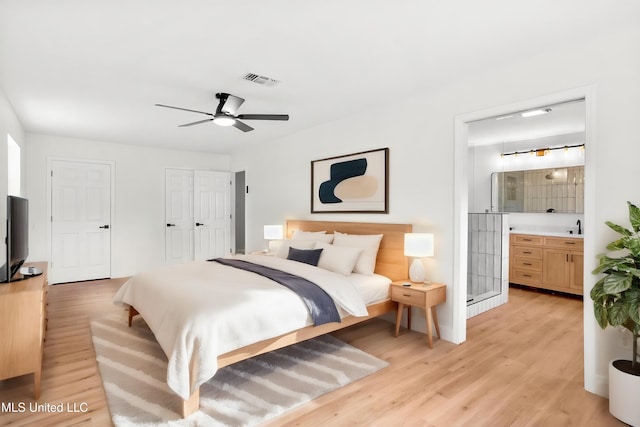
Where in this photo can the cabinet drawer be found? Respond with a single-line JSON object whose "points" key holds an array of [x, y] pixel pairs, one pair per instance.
{"points": [[527, 239], [528, 264], [564, 243], [526, 277], [526, 252], [407, 296]]}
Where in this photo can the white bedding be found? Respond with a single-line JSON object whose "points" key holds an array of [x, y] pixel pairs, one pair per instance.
{"points": [[200, 310]]}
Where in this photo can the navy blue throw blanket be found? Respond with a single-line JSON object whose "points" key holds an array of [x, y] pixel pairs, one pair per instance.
{"points": [[320, 304]]}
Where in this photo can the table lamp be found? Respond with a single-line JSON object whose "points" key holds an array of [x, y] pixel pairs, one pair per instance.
{"points": [[273, 233], [418, 245]]}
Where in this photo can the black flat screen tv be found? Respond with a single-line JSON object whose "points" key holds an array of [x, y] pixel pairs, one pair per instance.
{"points": [[17, 240]]}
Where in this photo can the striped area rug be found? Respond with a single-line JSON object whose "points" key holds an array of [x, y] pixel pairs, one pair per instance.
{"points": [[133, 369]]}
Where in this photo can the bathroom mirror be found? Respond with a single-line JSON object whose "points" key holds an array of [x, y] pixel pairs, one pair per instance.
{"points": [[538, 190]]}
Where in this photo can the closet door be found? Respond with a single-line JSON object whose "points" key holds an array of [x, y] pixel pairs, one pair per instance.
{"points": [[179, 216], [198, 215], [212, 214]]}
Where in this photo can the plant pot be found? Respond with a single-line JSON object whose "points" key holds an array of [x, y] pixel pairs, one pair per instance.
{"points": [[624, 389]]}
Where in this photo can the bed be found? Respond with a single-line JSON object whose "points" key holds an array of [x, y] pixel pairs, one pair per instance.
{"points": [[179, 306]]}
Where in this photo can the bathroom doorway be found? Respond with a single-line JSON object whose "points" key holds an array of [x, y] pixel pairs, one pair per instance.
{"points": [[525, 173], [462, 187]]}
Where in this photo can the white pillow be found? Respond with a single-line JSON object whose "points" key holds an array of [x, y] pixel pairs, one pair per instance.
{"points": [[283, 250], [369, 243], [316, 236], [339, 259]]}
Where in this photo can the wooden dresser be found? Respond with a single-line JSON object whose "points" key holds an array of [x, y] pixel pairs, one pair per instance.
{"points": [[554, 263], [23, 322]]}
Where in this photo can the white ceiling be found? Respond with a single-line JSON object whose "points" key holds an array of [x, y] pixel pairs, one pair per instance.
{"points": [[94, 69], [562, 119]]}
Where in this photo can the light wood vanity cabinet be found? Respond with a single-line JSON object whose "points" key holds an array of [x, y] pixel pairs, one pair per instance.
{"points": [[554, 263], [525, 257]]}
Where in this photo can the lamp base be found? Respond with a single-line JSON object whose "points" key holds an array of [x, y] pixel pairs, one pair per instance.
{"points": [[274, 245], [416, 271]]}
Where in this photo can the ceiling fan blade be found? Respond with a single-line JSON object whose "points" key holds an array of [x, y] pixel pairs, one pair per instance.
{"points": [[184, 109], [263, 116], [195, 123], [242, 126], [232, 104]]}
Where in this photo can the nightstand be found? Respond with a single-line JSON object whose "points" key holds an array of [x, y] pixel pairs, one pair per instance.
{"points": [[265, 253], [419, 295]]}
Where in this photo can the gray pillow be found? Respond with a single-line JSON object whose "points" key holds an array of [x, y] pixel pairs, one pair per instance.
{"points": [[308, 256]]}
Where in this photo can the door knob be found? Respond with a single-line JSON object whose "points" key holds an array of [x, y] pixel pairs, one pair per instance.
{"points": [[171, 225], [198, 224], [106, 226]]}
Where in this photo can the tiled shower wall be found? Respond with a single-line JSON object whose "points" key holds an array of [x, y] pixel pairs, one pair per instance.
{"points": [[561, 190], [488, 262]]}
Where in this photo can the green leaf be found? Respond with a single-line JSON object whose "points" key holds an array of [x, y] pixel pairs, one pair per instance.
{"points": [[601, 315], [597, 292], [616, 245], [612, 265], [616, 283], [632, 301], [630, 325], [619, 229], [633, 244], [617, 314], [633, 272], [634, 216]]}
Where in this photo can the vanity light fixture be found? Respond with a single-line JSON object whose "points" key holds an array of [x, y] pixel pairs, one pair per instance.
{"points": [[541, 152]]}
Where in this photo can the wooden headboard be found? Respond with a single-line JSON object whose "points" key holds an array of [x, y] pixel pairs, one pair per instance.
{"points": [[391, 261]]}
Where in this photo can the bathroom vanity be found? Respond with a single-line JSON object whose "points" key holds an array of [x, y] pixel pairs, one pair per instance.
{"points": [[552, 261]]}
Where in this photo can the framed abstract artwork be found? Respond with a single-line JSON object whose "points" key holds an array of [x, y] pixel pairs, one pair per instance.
{"points": [[355, 183]]}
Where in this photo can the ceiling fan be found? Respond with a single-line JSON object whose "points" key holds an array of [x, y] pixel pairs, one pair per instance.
{"points": [[226, 113]]}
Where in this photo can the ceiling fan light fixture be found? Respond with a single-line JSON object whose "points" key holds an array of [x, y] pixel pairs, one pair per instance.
{"points": [[226, 115], [224, 121]]}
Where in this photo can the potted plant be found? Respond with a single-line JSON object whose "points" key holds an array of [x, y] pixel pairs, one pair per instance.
{"points": [[616, 302]]}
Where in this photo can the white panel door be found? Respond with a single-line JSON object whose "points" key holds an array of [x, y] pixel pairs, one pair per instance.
{"points": [[80, 221], [179, 216], [212, 214]]}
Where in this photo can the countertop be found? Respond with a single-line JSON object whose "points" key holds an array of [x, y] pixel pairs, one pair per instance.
{"points": [[546, 233]]}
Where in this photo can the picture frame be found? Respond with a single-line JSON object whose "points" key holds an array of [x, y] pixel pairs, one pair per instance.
{"points": [[352, 183]]}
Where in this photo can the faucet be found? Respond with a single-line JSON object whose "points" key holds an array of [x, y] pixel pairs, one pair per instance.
{"points": [[579, 227]]}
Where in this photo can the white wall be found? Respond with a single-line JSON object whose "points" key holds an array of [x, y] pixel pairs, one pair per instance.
{"points": [[420, 176], [138, 227], [422, 160], [9, 124]]}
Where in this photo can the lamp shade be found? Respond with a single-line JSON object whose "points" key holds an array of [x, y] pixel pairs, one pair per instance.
{"points": [[418, 245], [273, 232]]}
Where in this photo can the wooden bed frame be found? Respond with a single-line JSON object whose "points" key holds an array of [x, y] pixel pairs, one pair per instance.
{"points": [[391, 262]]}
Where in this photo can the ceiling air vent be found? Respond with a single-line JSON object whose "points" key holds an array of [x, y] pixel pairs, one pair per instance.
{"points": [[261, 80]]}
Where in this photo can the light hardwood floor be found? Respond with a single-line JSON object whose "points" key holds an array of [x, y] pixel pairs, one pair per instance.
{"points": [[520, 366]]}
